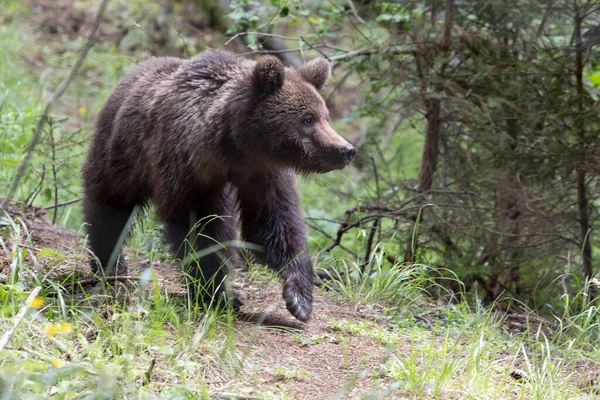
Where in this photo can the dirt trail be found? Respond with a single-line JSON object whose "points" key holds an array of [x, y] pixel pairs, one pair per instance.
{"points": [[317, 362]]}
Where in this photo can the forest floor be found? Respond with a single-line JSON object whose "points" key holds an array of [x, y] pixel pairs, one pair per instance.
{"points": [[307, 360], [349, 349]]}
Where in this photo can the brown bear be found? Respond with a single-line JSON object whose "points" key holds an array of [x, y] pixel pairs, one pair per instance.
{"points": [[210, 140]]}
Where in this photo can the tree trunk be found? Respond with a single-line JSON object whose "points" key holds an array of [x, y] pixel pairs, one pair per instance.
{"points": [[432, 136], [430, 149], [507, 269]]}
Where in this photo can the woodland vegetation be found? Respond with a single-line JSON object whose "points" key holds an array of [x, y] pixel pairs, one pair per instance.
{"points": [[475, 185]]}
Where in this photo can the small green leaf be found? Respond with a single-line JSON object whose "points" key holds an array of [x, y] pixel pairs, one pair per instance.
{"points": [[595, 79]]}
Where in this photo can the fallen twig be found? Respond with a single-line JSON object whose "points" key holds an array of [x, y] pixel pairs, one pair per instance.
{"points": [[233, 396], [6, 337], [25, 246]]}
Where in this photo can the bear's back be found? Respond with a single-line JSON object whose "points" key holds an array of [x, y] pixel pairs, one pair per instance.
{"points": [[217, 65], [146, 71]]}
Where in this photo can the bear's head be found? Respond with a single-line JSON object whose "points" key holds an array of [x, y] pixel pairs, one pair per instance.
{"points": [[290, 117]]}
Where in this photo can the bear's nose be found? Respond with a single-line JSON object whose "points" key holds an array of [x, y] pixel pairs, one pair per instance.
{"points": [[348, 151]]}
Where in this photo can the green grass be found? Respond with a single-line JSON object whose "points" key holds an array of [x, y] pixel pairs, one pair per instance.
{"points": [[103, 345]]}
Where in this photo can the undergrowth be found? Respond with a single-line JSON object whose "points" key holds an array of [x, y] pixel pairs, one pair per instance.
{"points": [[126, 341]]}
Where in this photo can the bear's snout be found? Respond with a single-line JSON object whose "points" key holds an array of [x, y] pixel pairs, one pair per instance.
{"points": [[336, 150], [348, 151], [337, 156]]}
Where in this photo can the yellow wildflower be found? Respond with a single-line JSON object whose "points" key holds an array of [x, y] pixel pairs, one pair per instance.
{"points": [[38, 302], [50, 329], [65, 327], [57, 363]]}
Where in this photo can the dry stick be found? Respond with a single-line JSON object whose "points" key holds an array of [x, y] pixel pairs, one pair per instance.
{"points": [[374, 50], [271, 35], [233, 396], [19, 317], [30, 199], [358, 18], [54, 178], [64, 203], [60, 90]]}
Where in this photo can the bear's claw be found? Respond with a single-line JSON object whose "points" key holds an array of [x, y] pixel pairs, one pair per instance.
{"points": [[298, 311], [297, 303]]}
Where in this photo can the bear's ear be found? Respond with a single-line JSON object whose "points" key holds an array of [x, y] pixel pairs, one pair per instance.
{"points": [[316, 72], [268, 76]]}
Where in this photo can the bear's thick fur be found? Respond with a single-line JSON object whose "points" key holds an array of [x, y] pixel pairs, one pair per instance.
{"points": [[209, 140]]}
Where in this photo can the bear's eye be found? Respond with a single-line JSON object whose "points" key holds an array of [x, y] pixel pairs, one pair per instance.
{"points": [[308, 120]]}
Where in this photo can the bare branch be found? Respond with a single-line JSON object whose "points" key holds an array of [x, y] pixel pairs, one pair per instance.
{"points": [[358, 18], [64, 203], [374, 50]]}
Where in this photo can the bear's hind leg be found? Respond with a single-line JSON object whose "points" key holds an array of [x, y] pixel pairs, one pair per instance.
{"points": [[107, 229]]}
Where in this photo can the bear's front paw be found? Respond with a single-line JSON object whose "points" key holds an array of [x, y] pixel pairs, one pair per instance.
{"points": [[298, 299]]}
